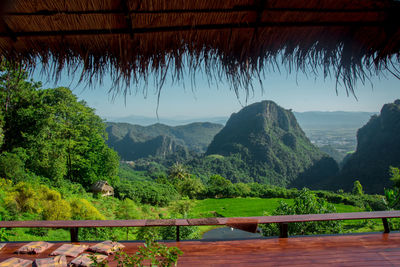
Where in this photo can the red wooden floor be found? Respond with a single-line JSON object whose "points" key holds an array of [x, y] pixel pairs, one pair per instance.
{"points": [[340, 250]]}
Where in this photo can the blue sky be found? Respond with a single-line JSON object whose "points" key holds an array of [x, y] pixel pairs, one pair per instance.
{"points": [[297, 93]]}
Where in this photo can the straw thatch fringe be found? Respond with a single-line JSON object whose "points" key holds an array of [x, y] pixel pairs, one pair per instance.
{"points": [[238, 43]]}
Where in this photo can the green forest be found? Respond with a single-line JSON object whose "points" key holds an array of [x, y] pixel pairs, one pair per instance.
{"points": [[53, 148]]}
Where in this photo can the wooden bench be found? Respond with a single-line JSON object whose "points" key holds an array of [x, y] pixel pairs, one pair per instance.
{"points": [[282, 220]]}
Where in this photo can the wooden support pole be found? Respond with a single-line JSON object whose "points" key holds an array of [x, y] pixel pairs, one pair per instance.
{"points": [[74, 234], [177, 234], [283, 230], [386, 225], [128, 19], [8, 30]]}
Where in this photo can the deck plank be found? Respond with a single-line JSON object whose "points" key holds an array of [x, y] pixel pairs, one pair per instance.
{"points": [[337, 250]]}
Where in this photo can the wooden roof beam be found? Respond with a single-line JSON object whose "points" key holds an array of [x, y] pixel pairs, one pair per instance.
{"points": [[294, 24], [240, 9]]}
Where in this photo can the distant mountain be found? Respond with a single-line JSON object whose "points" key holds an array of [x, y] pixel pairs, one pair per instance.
{"points": [[378, 147], [307, 120], [134, 141], [264, 142], [334, 119], [146, 121]]}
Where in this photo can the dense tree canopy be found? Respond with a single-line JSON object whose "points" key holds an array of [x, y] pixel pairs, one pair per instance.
{"points": [[378, 148], [1, 128], [51, 133]]}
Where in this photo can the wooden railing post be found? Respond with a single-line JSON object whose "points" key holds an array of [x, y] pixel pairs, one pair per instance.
{"points": [[74, 234], [283, 230], [177, 234], [386, 225]]}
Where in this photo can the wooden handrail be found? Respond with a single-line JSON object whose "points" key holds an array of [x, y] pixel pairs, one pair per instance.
{"points": [[282, 220], [202, 221]]}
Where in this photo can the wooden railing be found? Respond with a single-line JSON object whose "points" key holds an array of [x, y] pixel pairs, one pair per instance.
{"points": [[282, 220]]}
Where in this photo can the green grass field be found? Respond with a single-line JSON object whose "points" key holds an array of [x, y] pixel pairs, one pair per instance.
{"points": [[227, 207], [246, 207], [235, 207]]}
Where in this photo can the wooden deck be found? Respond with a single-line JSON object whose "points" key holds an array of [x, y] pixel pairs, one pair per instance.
{"points": [[338, 250], [244, 223]]}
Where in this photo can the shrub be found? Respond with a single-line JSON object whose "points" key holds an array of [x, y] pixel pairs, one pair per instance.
{"points": [[181, 207], [12, 167], [305, 203], [54, 208], [148, 192], [81, 209], [3, 233], [57, 210], [189, 186], [23, 198], [242, 190], [127, 210], [357, 188], [219, 187], [152, 253]]}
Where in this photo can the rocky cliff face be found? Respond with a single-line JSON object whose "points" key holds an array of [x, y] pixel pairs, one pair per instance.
{"points": [[378, 147], [134, 141], [269, 139], [160, 146], [258, 128]]}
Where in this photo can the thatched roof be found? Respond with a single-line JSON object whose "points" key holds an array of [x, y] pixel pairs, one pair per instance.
{"points": [[235, 40], [101, 186]]}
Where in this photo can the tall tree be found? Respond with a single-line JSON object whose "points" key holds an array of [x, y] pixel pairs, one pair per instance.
{"points": [[16, 93], [80, 135], [1, 129], [61, 136]]}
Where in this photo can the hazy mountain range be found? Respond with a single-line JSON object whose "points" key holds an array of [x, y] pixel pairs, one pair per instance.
{"points": [[307, 120], [146, 121], [266, 143], [139, 136], [135, 141]]}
